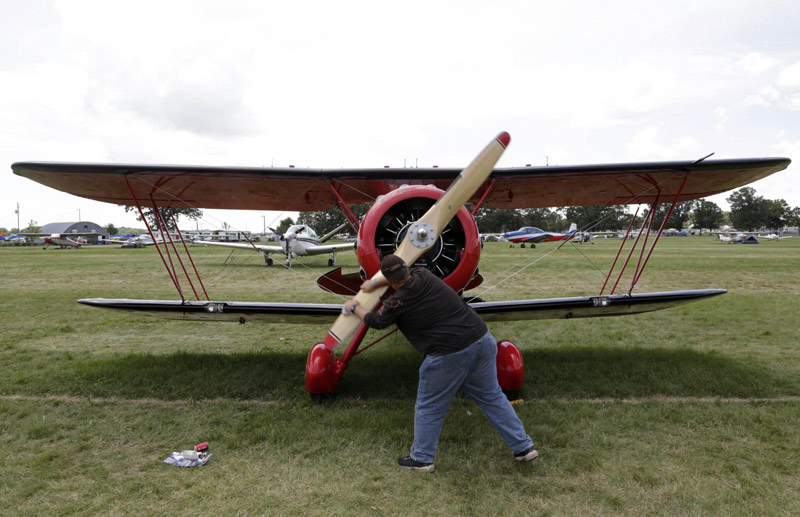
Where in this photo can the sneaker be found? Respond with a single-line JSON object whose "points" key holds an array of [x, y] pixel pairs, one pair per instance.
{"points": [[527, 455], [410, 463]]}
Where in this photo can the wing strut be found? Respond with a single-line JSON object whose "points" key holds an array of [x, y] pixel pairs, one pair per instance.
{"points": [[189, 256], [162, 228], [352, 220], [488, 190], [647, 223]]}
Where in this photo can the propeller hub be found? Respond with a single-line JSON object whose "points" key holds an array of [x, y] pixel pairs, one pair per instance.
{"points": [[421, 235]]}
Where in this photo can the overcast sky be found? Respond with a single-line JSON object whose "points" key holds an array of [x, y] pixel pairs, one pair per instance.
{"points": [[367, 83]]}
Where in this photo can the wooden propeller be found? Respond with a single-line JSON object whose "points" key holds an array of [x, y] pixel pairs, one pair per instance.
{"points": [[423, 233]]}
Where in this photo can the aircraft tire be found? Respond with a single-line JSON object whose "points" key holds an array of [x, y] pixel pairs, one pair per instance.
{"points": [[268, 261], [522, 245], [330, 262]]}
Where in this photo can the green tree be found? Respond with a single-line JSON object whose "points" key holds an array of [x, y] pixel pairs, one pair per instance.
{"points": [[32, 227], [677, 219], [498, 220], [748, 210], [544, 218], [778, 213], [284, 225], [598, 217], [792, 218], [111, 229], [707, 214], [167, 215], [324, 221]]}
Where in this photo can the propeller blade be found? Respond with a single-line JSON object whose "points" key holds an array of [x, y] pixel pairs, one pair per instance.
{"points": [[423, 233]]}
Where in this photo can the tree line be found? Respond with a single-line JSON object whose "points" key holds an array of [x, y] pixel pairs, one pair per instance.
{"points": [[749, 212]]}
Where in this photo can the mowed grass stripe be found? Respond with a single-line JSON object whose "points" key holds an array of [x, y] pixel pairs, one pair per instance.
{"points": [[262, 402]]}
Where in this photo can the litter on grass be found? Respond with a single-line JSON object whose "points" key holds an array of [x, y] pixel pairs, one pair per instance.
{"points": [[190, 458]]}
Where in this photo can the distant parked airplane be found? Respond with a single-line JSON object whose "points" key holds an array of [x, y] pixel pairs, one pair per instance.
{"points": [[774, 237], [298, 241], [732, 237], [62, 241], [532, 235], [139, 241]]}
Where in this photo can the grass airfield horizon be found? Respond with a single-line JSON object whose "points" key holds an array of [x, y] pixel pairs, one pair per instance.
{"points": [[692, 410]]}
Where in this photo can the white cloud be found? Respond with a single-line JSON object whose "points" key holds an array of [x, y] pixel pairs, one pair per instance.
{"points": [[756, 63], [722, 117], [766, 97], [784, 185], [646, 144], [790, 76]]}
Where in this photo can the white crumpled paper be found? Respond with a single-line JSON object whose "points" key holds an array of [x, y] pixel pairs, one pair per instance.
{"points": [[177, 459]]}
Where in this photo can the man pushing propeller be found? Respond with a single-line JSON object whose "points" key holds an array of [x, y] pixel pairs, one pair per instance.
{"points": [[459, 350]]}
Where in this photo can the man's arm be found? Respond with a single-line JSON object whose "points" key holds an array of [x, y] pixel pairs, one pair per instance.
{"points": [[354, 308], [385, 316], [370, 284]]}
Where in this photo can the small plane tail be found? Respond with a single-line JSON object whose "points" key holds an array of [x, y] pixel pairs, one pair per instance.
{"points": [[573, 228]]}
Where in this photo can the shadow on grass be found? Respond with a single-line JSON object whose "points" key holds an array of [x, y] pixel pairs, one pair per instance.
{"points": [[391, 373]]}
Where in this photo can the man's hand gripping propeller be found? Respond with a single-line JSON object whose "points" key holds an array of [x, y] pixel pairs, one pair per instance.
{"points": [[423, 233]]}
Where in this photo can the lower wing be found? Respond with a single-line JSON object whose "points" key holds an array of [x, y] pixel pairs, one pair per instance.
{"points": [[324, 314]]}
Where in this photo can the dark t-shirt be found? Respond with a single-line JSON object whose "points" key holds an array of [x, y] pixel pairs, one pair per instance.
{"points": [[430, 314]]}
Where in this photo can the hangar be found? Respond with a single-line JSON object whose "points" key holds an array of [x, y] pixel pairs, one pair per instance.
{"points": [[86, 229]]}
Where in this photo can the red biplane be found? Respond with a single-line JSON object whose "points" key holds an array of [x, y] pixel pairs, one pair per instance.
{"points": [[413, 216]]}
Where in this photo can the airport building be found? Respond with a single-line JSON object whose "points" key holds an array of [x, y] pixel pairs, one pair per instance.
{"points": [[86, 229]]}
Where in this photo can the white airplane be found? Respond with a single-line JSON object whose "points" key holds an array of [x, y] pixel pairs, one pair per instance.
{"points": [[72, 240], [139, 241], [774, 237], [63, 241], [298, 241], [732, 237]]}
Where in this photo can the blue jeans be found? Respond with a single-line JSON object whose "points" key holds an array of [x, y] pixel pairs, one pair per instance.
{"points": [[474, 370]]}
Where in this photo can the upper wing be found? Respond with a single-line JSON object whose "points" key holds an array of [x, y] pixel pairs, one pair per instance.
{"points": [[261, 248], [301, 190], [329, 248]]}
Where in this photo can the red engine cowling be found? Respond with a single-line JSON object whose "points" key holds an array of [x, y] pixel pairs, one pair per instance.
{"points": [[455, 255]]}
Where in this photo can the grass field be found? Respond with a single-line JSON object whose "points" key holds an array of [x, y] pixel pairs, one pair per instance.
{"points": [[690, 411]]}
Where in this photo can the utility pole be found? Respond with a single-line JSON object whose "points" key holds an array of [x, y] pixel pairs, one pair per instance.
{"points": [[264, 219], [79, 215], [17, 212]]}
